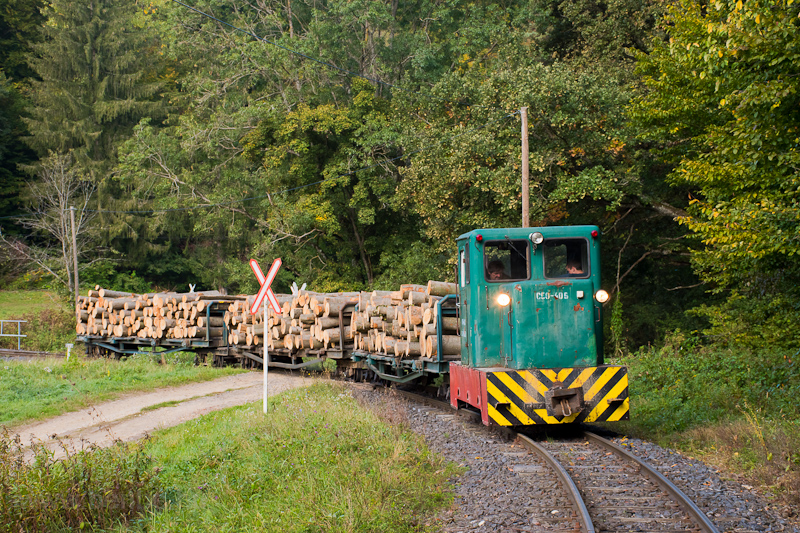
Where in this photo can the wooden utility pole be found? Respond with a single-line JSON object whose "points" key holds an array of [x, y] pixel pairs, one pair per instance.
{"points": [[525, 178], [74, 252]]}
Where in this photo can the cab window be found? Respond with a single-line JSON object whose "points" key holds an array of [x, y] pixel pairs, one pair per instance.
{"points": [[566, 258], [506, 261]]}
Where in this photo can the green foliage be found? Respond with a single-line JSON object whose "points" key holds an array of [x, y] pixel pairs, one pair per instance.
{"points": [[93, 83], [20, 21], [40, 389], [616, 326], [466, 175], [107, 275], [722, 101], [345, 220], [90, 489], [684, 384], [15, 303], [317, 462], [13, 152]]}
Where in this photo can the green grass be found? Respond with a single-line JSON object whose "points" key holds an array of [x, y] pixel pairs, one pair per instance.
{"points": [[14, 304], [44, 388], [316, 463], [50, 323]]}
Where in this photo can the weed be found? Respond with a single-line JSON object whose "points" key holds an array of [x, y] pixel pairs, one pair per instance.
{"points": [[88, 489], [47, 330], [735, 406]]}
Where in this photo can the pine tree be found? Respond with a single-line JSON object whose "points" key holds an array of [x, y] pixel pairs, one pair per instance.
{"points": [[96, 82]]}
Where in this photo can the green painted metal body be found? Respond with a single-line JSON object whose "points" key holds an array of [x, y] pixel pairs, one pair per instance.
{"points": [[552, 320]]}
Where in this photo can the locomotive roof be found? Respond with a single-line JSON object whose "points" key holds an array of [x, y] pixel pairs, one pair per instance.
{"points": [[549, 232]]}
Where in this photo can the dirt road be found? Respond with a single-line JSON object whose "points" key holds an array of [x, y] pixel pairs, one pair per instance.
{"points": [[134, 416]]}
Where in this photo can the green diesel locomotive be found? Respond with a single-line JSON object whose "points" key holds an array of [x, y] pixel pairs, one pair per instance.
{"points": [[530, 313]]}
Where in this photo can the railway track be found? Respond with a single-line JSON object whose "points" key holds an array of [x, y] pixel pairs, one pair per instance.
{"points": [[588, 484]]}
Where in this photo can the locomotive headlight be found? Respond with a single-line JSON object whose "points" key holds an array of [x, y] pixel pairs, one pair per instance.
{"points": [[601, 296], [503, 299], [537, 238]]}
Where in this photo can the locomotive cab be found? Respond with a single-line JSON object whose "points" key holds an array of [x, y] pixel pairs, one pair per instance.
{"points": [[531, 328]]}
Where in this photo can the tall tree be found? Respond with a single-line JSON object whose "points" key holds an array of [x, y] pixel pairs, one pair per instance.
{"points": [[20, 28], [97, 69], [12, 152], [96, 81], [724, 106]]}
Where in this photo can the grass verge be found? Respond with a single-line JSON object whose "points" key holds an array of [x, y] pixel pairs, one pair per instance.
{"points": [[316, 463], [733, 407], [43, 388], [17, 303]]}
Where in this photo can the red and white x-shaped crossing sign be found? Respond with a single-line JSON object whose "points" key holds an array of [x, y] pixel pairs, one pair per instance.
{"points": [[265, 290]]}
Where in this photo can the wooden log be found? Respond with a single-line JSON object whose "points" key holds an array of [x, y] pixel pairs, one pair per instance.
{"points": [[327, 322], [331, 336], [388, 344], [441, 288], [105, 293], [413, 316], [201, 332], [451, 345], [307, 341], [448, 324], [406, 288], [215, 321], [416, 298], [380, 294], [413, 348], [334, 305], [400, 348]]}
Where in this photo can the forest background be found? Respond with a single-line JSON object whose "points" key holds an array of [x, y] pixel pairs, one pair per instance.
{"points": [[355, 139]]}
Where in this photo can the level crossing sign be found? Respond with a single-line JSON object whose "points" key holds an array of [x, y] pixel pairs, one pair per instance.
{"points": [[265, 290], [265, 294]]}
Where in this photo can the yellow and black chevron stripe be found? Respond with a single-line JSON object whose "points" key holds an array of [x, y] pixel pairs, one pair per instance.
{"points": [[517, 397]]}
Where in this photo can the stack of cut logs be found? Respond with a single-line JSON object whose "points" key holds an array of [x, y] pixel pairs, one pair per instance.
{"points": [[400, 323]]}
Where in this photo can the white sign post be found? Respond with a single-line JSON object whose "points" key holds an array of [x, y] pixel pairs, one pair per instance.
{"points": [[265, 293]]}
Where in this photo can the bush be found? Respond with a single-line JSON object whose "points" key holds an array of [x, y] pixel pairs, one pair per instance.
{"points": [[94, 488], [686, 384]]}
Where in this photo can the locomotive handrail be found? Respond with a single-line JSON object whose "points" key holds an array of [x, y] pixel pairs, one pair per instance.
{"points": [[439, 350]]}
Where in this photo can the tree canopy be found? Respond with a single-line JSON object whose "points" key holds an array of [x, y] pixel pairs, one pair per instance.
{"points": [[356, 139]]}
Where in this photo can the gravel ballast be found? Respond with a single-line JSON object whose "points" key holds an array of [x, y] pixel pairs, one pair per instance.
{"points": [[491, 497]]}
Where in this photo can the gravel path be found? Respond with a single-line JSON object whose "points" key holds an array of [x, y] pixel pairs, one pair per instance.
{"points": [[135, 415], [492, 498]]}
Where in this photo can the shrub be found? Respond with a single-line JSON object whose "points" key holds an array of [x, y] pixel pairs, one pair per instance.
{"points": [[87, 489]]}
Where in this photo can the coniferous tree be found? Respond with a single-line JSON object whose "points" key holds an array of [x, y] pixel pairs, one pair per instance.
{"points": [[96, 82]]}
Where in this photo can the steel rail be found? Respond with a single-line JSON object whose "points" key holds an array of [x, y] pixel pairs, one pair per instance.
{"points": [[584, 520], [677, 494], [574, 495]]}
